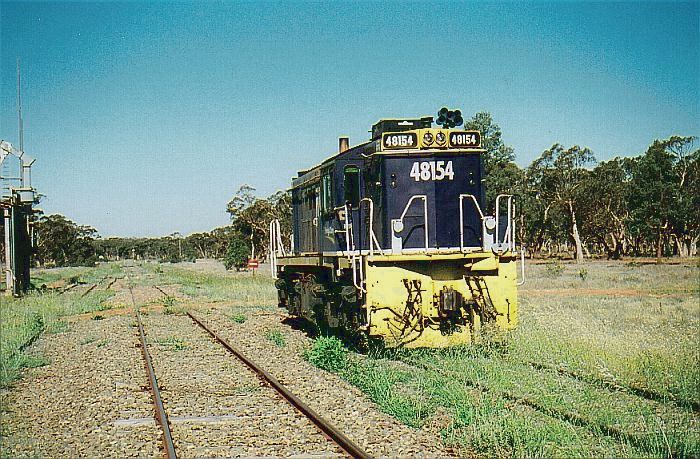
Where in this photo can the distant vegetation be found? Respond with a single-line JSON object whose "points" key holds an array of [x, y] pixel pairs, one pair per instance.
{"points": [[570, 205]]}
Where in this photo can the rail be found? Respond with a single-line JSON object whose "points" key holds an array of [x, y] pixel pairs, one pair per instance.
{"points": [[160, 414], [326, 427]]}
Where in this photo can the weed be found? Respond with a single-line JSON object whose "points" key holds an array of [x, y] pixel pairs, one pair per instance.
{"points": [[276, 337], [169, 301], [177, 311], [35, 361], [102, 343], [554, 269], [98, 317], [59, 326], [327, 353], [238, 318], [173, 343], [583, 274], [88, 340]]}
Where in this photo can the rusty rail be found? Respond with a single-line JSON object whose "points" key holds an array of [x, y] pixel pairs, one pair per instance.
{"points": [[160, 414], [326, 427]]}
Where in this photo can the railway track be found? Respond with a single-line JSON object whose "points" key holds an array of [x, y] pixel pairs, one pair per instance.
{"points": [[341, 443], [574, 419], [617, 386]]}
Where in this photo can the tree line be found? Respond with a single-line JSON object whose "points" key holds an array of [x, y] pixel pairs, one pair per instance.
{"points": [[568, 204]]}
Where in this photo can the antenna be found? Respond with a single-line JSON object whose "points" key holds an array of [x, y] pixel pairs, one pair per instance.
{"points": [[20, 122]]}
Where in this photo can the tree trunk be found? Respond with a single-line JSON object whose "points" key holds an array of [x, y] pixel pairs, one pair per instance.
{"points": [[576, 236], [659, 246]]}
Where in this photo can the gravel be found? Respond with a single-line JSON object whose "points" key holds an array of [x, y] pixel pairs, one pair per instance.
{"points": [[69, 408], [199, 378], [337, 401], [92, 400]]}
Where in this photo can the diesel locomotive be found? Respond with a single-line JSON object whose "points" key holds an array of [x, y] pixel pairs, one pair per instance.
{"points": [[390, 240]]}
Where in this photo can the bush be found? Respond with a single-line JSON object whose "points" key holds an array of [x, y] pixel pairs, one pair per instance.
{"points": [[554, 269], [237, 253], [327, 353], [276, 337], [583, 274], [238, 318]]}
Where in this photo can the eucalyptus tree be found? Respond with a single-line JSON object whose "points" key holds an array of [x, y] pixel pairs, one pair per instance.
{"points": [[557, 178]]}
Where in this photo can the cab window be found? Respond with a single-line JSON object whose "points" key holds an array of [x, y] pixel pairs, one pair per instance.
{"points": [[326, 201], [351, 184]]}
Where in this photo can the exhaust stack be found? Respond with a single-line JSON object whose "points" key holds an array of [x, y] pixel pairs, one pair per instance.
{"points": [[343, 144]]}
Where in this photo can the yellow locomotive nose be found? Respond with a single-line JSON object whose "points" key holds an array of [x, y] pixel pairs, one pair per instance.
{"points": [[441, 300]]}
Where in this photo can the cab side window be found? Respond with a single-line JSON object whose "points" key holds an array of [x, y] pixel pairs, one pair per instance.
{"points": [[351, 185], [326, 197]]}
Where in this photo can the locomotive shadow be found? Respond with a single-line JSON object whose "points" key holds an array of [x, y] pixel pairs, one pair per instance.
{"points": [[355, 342]]}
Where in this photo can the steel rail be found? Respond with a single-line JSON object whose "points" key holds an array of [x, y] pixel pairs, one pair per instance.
{"points": [[160, 414], [326, 427]]}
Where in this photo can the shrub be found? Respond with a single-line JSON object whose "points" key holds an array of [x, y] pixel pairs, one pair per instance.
{"points": [[554, 269], [583, 274], [238, 318], [276, 337], [237, 253], [327, 353]]}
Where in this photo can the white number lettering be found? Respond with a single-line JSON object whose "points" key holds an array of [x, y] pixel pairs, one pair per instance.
{"points": [[415, 172], [448, 171], [440, 167], [431, 170], [425, 171]]}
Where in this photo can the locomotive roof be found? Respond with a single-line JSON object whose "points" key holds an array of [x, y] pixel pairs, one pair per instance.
{"points": [[355, 152]]}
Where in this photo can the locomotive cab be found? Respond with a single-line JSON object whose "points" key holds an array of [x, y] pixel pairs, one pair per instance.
{"points": [[390, 240]]}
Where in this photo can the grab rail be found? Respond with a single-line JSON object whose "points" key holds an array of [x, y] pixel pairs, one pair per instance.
{"points": [[372, 236], [425, 214], [508, 237], [461, 218], [275, 246]]}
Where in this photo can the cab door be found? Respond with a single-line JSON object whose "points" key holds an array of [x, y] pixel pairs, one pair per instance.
{"points": [[349, 193]]}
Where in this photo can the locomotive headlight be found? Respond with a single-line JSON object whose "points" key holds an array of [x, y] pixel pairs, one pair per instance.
{"points": [[428, 139], [441, 139], [398, 226], [490, 223]]}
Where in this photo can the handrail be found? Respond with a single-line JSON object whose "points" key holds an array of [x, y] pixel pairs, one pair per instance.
{"points": [[461, 217], [522, 266], [508, 238], [272, 249], [350, 254], [348, 232], [372, 236], [275, 245], [425, 214]]}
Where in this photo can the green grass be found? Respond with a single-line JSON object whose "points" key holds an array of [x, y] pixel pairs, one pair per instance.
{"points": [[229, 287], [493, 401], [614, 324], [238, 318], [24, 319], [276, 337], [172, 343]]}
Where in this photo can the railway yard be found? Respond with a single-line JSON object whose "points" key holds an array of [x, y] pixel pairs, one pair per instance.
{"points": [[610, 370]]}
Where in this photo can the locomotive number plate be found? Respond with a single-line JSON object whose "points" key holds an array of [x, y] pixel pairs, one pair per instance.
{"points": [[401, 140], [465, 139], [424, 171]]}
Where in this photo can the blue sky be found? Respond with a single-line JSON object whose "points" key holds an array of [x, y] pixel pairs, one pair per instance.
{"points": [[145, 118]]}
